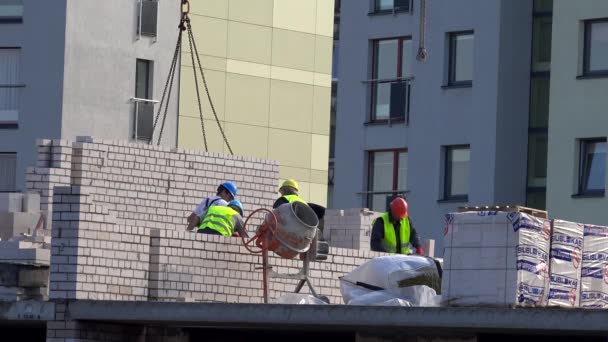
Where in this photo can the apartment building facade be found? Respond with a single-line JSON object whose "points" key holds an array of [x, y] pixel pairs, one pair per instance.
{"points": [[448, 132], [578, 112], [268, 64], [81, 67]]}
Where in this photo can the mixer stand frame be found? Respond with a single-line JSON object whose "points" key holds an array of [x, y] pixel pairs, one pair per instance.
{"points": [[302, 275]]}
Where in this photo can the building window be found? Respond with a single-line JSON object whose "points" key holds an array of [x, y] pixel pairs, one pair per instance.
{"points": [[144, 105], [537, 159], [592, 166], [8, 172], [456, 176], [10, 88], [148, 18], [390, 79], [461, 58], [541, 43], [387, 177], [390, 6], [11, 11], [596, 47]]}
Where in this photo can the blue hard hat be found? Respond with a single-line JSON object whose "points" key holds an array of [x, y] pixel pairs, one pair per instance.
{"points": [[230, 187], [238, 204]]}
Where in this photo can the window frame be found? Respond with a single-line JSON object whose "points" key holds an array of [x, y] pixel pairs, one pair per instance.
{"points": [[16, 167], [13, 19], [149, 77], [587, 24], [399, 78], [18, 86], [452, 59], [582, 163], [370, 175], [447, 174], [374, 8], [140, 19]]}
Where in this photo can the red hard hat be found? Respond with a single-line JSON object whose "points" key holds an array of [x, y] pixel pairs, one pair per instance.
{"points": [[399, 208]]}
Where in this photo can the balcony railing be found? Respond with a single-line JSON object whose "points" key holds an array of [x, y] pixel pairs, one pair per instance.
{"points": [[10, 100], [147, 18], [390, 100], [143, 119]]}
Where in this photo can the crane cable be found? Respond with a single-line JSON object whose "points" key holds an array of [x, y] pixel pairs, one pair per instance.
{"points": [[422, 53], [185, 25]]}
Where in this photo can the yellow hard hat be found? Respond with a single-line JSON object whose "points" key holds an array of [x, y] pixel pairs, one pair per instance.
{"points": [[292, 183]]}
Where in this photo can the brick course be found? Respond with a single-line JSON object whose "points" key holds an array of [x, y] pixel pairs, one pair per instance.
{"points": [[119, 214]]}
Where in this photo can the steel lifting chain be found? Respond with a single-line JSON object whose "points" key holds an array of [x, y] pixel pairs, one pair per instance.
{"points": [[200, 67], [422, 53], [185, 25]]}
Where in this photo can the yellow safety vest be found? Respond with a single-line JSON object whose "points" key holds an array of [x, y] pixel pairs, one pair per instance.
{"points": [[294, 198], [219, 218], [390, 240]]}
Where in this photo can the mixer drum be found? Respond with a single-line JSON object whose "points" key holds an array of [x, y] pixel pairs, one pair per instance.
{"points": [[296, 228]]}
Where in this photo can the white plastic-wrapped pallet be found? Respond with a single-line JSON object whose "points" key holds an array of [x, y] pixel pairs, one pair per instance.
{"points": [[566, 253], [594, 273], [495, 259]]}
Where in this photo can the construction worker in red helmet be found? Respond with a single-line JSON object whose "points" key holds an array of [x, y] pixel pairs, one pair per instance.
{"points": [[393, 232]]}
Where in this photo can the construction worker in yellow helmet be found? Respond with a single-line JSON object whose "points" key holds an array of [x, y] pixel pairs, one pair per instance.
{"points": [[289, 193]]}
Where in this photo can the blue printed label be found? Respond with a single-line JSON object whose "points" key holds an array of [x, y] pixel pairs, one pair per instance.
{"points": [[592, 272], [595, 230], [595, 256], [531, 251], [566, 239], [563, 280]]}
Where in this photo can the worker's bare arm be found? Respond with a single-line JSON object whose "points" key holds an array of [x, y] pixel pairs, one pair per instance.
{"points": [[193, 221]]}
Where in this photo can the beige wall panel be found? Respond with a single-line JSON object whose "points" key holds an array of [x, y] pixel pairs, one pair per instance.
{"points": [[319, 152], [297, 15], [290, 148], [292, 49], [246, 140], [211, 8], [251, 11], [291, 106], [247, 99], [317, 176], [322, 80], [191, 137], [304, 192], [211, 36], [321, 110], [208, 62], [248, 42], [323, 52], [325, 18], [318, 194], [292, 75], [248, 68], [188, 103], [297, 173]]}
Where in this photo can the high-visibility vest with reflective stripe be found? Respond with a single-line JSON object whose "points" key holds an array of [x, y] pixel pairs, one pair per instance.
{"points": [[219, 218], [294, 198], [390, 240]]}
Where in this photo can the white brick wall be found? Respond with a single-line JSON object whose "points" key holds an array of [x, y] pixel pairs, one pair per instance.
{"points": [[119, 217]]}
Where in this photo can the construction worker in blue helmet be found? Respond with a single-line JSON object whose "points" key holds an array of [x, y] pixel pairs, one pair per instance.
{"points": [[223, 220], [289, 193], [226, 192]]}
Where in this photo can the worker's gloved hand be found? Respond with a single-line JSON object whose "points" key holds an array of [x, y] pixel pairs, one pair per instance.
{"points": [[419, 251]]}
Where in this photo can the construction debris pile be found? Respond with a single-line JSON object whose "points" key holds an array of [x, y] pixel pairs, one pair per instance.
{"points": [[25, 248], [515, 259]]}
